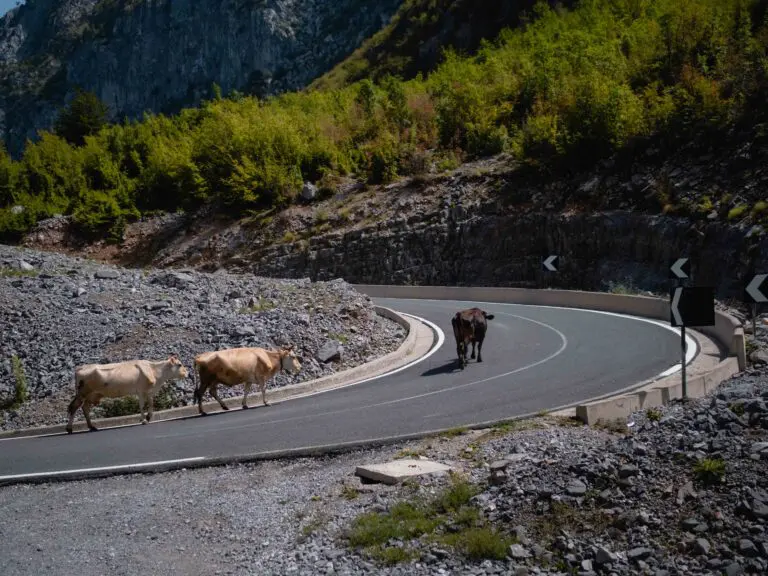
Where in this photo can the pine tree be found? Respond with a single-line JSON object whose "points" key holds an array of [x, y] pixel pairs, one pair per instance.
{"points": [[85, 115]]}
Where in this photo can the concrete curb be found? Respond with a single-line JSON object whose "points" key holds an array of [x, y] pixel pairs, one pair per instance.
{"points": [[727, 331], [417, 343]]}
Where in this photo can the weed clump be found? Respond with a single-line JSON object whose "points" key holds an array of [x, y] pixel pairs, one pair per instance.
{"points": [[448, 519], [709, 470], [20, 391]]}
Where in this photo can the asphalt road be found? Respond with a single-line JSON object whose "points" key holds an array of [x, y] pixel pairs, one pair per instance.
{"points": [[533, 359]]}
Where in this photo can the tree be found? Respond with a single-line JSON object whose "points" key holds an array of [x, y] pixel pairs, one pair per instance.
{"points": [[7, 174], [85, 115]]}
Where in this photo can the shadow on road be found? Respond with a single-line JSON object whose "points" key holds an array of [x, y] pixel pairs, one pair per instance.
{"points": [[446, 368]]}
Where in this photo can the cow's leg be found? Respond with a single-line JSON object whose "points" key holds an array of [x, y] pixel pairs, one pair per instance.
{"points": [[214, 393], [263, 386], [141, 407], [246, 391], [473, 349], [150, 407], [203, 387], [77, 401], [480, 348], [87, 411]]}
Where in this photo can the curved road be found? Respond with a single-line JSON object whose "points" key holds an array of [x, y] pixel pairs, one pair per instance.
{"points": [[534, 358]]}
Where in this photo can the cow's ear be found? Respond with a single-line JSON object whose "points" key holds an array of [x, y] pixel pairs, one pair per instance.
{"points": [[489, 316]]}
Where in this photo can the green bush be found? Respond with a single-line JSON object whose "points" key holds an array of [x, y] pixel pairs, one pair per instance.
{"points": [[21, 393], [165, 399]]}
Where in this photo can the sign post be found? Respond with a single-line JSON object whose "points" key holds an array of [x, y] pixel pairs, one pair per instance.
{"points": [[691, 306], [756, 296], [680, 270]]}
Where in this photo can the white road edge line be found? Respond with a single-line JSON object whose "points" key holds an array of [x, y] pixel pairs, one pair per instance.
{"points": [[100, 469], [435, 348]]}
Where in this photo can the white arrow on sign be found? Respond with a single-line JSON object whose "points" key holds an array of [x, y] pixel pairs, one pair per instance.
{"points": [[675, 302], [753, 289], [677, 268], [548, 263]]}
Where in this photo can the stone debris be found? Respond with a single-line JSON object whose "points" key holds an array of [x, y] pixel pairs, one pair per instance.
{"points": [[71, 311]]}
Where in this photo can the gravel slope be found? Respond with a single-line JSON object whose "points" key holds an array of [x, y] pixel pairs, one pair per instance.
{"points": [[58, 312], [581, 500]]}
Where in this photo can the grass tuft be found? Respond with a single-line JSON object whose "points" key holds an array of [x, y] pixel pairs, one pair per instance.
{"points": [[709, 470], [447, 518], [20, 392]]}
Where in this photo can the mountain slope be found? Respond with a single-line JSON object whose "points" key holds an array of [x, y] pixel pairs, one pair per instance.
{"points": [[565, 91], [414, 41]]}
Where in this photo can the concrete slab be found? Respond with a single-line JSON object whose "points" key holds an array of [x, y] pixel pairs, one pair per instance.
{"points": [[398, 470]]}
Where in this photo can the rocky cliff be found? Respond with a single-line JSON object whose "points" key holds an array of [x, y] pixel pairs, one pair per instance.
{"points": [[161, 55], [486, 246]]}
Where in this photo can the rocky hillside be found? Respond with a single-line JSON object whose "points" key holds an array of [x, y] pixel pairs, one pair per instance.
{"points": [[161, 55], [59, 312], [421, 30], [617, 225]]}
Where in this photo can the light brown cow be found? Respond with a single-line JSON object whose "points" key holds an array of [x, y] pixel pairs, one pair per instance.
{"points": [[247, 366], [142, 377]]}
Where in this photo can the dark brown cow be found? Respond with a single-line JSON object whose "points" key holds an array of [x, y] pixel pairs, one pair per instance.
{"points": [[470, 326]]}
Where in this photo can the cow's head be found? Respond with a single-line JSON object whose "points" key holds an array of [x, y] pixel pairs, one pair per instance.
{"points": [[289, 362], [177, 369]]}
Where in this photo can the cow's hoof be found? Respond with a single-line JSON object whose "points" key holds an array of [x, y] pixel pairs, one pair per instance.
{"points": [[69, 430], [93, 429], [246, 407], [225, 407], [203, 413], [145, 421], [267, 404], [479, 359]]}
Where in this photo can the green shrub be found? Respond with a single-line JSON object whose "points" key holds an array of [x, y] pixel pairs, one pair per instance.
{"points": [[21, 393], [165, 399], [709, 470], [737, 212], [481, 543]]}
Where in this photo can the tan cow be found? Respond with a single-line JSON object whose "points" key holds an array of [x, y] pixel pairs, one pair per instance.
{"points": [[142, 377], [247, 366]]}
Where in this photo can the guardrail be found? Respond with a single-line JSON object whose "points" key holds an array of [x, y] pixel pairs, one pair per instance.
{"points": [[727, 332]]}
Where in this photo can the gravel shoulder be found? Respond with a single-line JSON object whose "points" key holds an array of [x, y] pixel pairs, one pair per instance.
{"points": [[681, 490], [58, 312]]}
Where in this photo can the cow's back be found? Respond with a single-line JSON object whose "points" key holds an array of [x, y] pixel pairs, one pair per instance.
{"points": [[233, 365], [112, 380]]}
